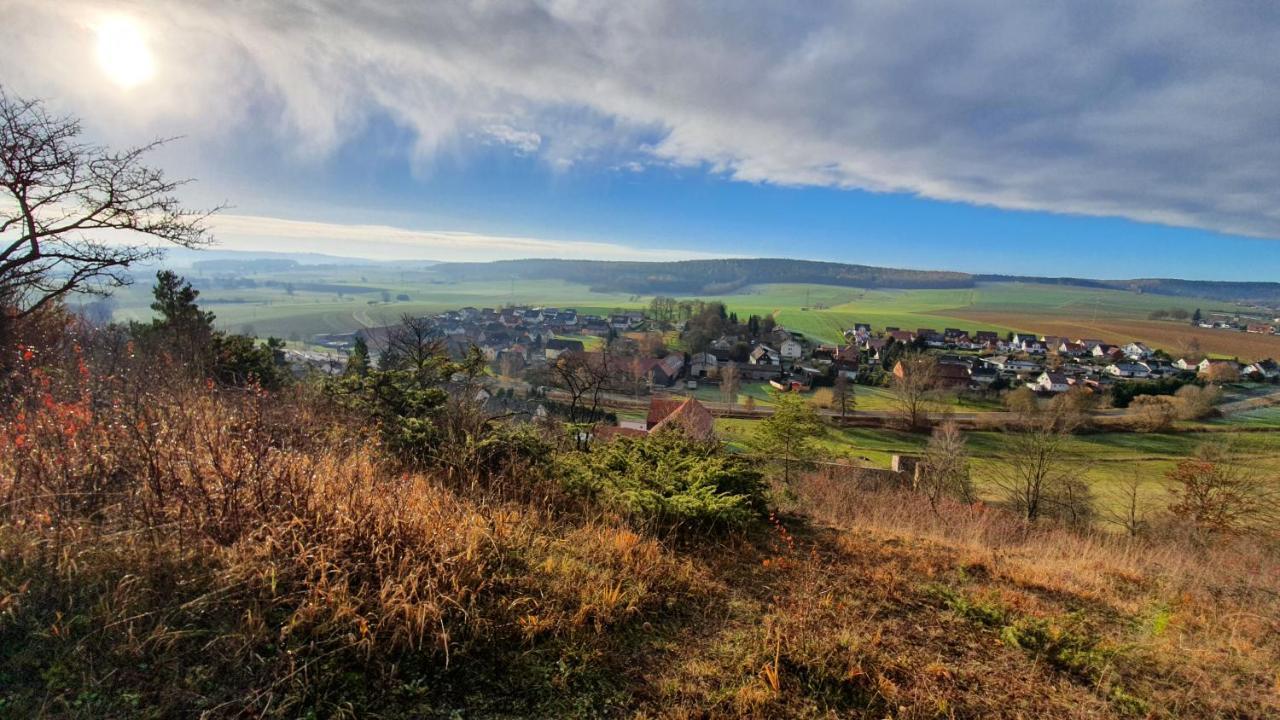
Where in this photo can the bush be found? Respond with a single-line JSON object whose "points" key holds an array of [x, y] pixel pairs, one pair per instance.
{"points": [[666, 480], [1123, 393]]}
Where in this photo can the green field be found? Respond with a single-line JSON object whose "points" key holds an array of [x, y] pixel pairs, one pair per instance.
{"points": [[819, 311], [866, 398], [1106, 459]]}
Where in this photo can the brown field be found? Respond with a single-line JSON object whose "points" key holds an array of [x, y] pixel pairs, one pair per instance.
{"points": [[1171, 337]]}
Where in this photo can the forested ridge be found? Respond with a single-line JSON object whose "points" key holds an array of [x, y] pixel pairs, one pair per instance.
{"points": [[726, 275]]}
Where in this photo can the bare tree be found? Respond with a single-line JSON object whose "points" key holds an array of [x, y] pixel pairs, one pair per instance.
{"points": [[730, 383], [414, 343], [585, 376], [842, 394], [944, 470], [68, 205], [1219, 494], [1128, 508], [1039, 475], [914, 380]]}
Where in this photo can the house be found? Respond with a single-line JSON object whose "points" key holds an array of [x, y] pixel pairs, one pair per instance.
{"points": [[764, 355], [703, 365], [791, 350], [1109, 352], [1089, 343], [1263, 369], [983, 376], [660, 373], [995, 362], [951, 375], [1004, 364], [986, 337], [1052, 382], [555, 347], [902, 336], [1127, 370], [1071, 349], [1260, 329], [1186, 364], [847, 361], [1027, 343], [1159, 368], [511, 362], [1136, 351], [1207, 366], [690, 418]]}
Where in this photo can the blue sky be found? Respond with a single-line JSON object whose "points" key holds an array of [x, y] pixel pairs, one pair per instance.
{"points": [[493, 191], [1086, 139]]}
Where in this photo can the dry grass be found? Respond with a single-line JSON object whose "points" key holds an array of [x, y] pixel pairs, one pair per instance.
{"points": [[170, 550], [193, 550], [1186, 630]]}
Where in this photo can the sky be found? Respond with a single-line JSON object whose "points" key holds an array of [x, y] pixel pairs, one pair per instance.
{"points": [[1087, 139]]}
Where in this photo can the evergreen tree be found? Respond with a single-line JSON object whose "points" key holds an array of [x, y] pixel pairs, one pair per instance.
{"points": [[786, 437], [175, 300], [183, 329], [358, 360]]}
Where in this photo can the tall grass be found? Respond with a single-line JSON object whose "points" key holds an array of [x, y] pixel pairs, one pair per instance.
{"points": [[171, 548]]}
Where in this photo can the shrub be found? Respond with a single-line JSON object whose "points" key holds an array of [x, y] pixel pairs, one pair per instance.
{"points": [[1196, 402], [665, 480], [1154, 413]]}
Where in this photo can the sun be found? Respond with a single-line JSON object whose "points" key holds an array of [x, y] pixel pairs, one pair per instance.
{"points": [[123, 54]]}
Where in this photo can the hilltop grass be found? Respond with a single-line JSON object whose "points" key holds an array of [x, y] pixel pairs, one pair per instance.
{"points": [[172, 548]]}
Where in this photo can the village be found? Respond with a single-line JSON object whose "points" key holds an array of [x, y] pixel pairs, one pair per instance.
{"points": [[663, 352]]}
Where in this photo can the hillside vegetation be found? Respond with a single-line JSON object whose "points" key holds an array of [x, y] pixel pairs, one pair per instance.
{"points": [[177, 540]]}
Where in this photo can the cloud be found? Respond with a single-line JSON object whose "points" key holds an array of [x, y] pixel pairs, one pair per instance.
{"points": [[382, 242], [522, 141], [1157, 113]]}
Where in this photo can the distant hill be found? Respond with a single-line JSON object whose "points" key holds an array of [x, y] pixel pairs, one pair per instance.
{"points": [[711, 277], [238, 261], [703, 276]]}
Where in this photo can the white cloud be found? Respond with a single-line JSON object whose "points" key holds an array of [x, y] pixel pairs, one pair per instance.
{"points": [[522, 141], [1161, 113], [382, 242]]}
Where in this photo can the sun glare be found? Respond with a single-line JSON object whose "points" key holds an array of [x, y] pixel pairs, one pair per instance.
{"points": [[123, 54]]}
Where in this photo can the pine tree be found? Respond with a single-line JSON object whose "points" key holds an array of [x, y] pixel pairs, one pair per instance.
{"points": [[186, 330], [358, 361], [786, 436]]}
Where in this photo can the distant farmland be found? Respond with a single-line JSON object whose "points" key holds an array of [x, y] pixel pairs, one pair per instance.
{"points": [[300, 304], [1170, 336]]}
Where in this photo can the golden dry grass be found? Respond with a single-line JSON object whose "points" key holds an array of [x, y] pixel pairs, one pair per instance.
{"points": [[170, 549]]}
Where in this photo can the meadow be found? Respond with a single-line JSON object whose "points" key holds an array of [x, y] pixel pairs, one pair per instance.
{"points": [[1108, 460]]}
